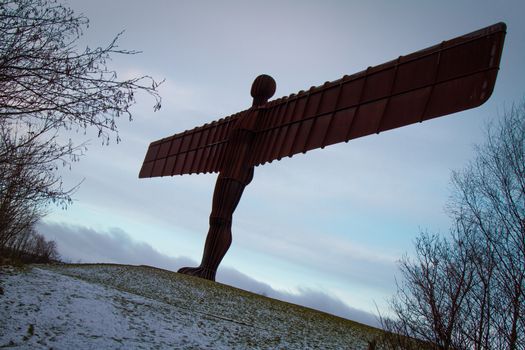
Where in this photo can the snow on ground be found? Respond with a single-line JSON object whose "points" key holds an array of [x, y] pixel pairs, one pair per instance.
{"points": [[127, 307]]}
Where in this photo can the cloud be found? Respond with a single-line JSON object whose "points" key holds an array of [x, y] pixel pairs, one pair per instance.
{"points": [[307, 297], [82, 244]]}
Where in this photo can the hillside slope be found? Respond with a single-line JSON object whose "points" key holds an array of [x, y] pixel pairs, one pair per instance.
{"points": [[120, 306]]}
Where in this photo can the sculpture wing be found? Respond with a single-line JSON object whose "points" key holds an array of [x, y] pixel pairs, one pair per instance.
{"points": [[453, 76], [194, 151]]}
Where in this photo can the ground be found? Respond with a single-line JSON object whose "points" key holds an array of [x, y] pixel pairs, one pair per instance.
{"points": [[137, 307]]}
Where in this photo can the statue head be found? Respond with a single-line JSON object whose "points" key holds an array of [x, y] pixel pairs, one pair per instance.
{"points": [[263, 88]]}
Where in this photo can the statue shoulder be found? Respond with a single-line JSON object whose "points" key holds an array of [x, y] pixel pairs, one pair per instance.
{"points": [[248, 121]]}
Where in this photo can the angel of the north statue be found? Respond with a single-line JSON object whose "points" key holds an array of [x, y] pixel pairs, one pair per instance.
{"points": [[452, 76]]}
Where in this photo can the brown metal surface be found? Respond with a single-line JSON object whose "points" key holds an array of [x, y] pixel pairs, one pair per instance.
{"points": [[450, 77], [194, 151], [455, 75], [236, 173]]}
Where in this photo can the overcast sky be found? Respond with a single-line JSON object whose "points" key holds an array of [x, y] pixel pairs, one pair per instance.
{"points": [[324, 229]]}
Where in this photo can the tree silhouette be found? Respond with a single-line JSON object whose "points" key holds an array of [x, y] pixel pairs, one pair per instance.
{"points": [[468, 292], [49, 86]]}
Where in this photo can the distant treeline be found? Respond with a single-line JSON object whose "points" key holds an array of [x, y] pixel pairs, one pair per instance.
{"points": [[29, 248]]}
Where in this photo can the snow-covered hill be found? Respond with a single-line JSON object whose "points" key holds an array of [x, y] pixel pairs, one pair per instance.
{"points": [[138, 307]]}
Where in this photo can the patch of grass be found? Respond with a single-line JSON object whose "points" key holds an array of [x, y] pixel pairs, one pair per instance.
{"points": [[30, 332], [253, 320]]}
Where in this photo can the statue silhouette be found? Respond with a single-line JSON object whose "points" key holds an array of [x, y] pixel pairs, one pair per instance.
{"points": [[237, 173], [455, 75]]}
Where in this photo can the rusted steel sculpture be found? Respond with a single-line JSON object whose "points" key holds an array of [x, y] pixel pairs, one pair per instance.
{"points": [[455, 75]]}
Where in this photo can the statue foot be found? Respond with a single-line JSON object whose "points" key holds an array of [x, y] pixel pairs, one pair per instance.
{"points": [[199, 271]]}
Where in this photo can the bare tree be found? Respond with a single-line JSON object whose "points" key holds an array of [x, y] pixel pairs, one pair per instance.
{"points": [[45, 77], [468, 292], [431, 297], [28, 180], [490, 196], [31, 247], [49, 86], [41, 249]]}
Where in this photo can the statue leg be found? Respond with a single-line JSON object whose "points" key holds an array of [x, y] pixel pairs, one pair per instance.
{"points": [[226, 196]]}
